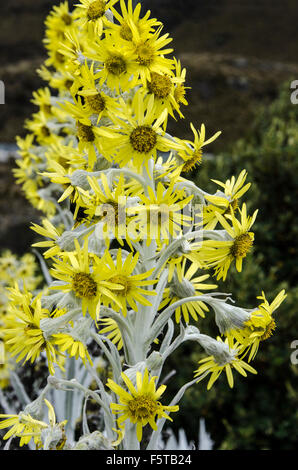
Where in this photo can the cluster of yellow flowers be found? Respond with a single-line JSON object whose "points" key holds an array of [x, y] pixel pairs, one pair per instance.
{"points": [[128, 238], [25, 270]]}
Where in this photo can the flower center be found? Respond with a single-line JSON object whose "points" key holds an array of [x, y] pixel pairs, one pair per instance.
{"points": [[85, 133], [125, 32], [143, 407], [68, 83], [145, 54], [84, 285], [45, 132], [59, 57], [96, 102], [194, 160], [269, 330], [143, 139], [116, 65], [241, 246], [96, 10], [67, 19], [160, 85], [123, 281], [179, 93]]}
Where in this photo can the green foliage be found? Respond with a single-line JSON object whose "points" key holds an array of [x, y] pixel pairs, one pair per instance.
{"points": [[261, 412]]}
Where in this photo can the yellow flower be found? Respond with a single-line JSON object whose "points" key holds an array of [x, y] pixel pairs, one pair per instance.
{"points": [[74, 347], [161, 216], [189, 286], [119, 71], [42, 98], [62, 176], [226, 361], [114, 334], [39, 125], [133, 285], [25, 427], [162, 88], [140, 405], [191, 153], [96, 101], [129, 21], [85, 282], [224, 203], [48, 230], [107, 205], [93, 14], [139, 138], [22, 333], [150, 54], [22, 426], [260, 326], [86, 132], [221, 254]]}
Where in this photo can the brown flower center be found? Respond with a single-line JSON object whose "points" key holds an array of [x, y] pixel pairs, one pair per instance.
{"points": [[269, 330], [85, 133], [116, 65], [145, 54], [195, 159], [241, 246], [96, 10], [84, 285], [96, 102], [143, 139], [143, 407], [160, 85]]}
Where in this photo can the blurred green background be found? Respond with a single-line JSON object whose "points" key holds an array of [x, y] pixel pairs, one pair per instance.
{"points": [[241, 57]]}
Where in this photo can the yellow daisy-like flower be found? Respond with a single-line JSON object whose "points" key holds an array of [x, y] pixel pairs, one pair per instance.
{"points": [[180, 89], [260, 326], [39, 126], [86, 283], [49, 231], [140, 405], [114, 334], [22, 426], [22, 333], [93, 14], [221, 254], [224, 202], [130, 24], [138, 135], [96, 101], [133, 285], [74, 347], [42, 98], [162, 88], [86, 132], [150, 54], [189, 286], [191, 153], [119, 66], [107, 206], [25, 427], [228, 361], [63, 177], [161, 216]]}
